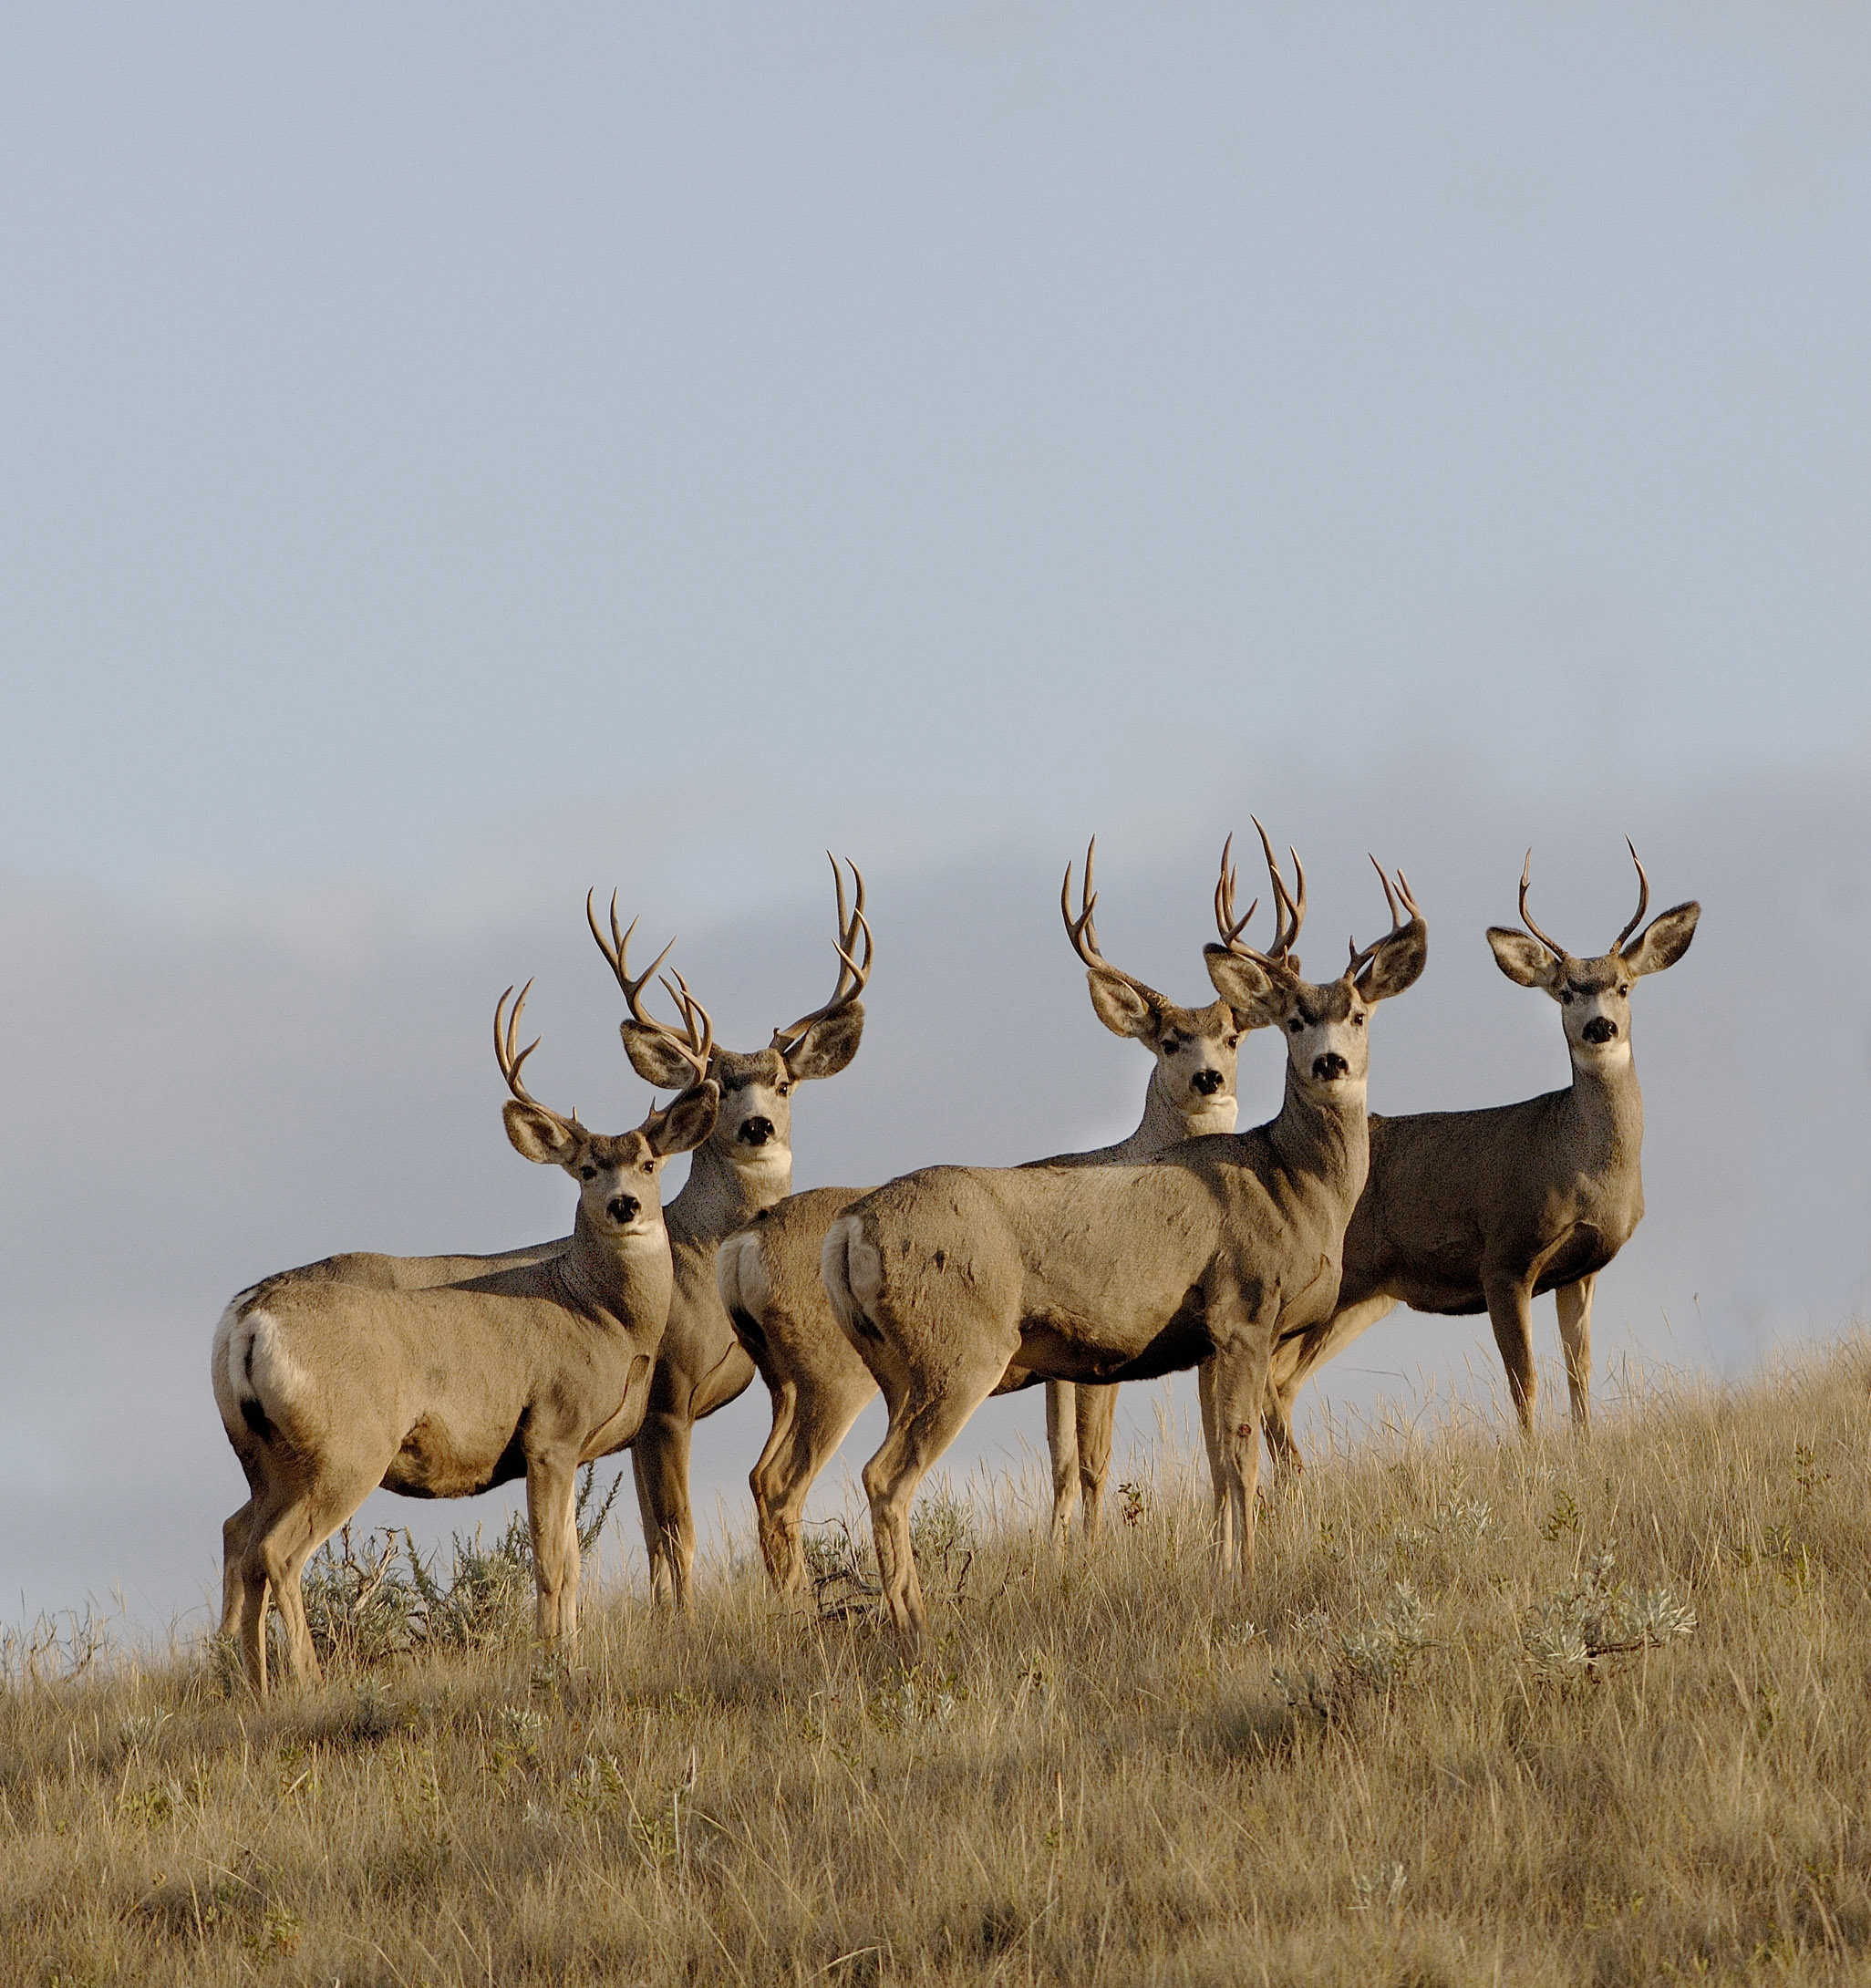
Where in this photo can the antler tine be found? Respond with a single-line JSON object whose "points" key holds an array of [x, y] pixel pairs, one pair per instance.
{"points": [[1082, 930], [854, 969], [1637, 917], [1226, 923], [510, 1056], [1289, 914], [1361, 955], [695, 1045], [1551, 945], [616, 950]]}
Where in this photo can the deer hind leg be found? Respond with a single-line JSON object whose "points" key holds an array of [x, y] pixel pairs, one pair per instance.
{"points": [[1295, 1362], [1210, 1436], [552, 1518], [1510, 1310], [1062, 1447], [823, 1402], [234, 1549], [1096, 1418], [286, 1528], [659, 1459], [1573, 1302], [924, 1420], [1237, 1396]]}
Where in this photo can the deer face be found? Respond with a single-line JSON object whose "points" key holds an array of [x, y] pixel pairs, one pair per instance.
{"points": [[619, 1177], [755, 1127], [1195, 1048], [1593, 995]]}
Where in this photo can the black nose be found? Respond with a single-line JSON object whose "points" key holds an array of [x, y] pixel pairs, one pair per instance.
{"points": [[755, 1132], [1600, 1028], [1207, 1082], [622, 1207], [1331, 1064]]}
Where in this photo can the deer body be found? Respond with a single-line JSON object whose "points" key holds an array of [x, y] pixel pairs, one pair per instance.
{"points": [[328, 1389], [1485, 1210], [771, 1283], [950, 1280]]}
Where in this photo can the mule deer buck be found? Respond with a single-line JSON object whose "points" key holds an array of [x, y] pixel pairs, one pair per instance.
{"points": [[327, 1390], [1484, 1210], [772, 1287], [946, 1279], [745, 1166]]}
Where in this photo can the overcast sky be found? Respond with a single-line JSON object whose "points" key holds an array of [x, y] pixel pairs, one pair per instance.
{"points": [[451, 459]]}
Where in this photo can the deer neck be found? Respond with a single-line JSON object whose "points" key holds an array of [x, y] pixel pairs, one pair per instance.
{"points": [[614, 1277], [1606, 1094], [1325, 1142], [722, 1191], [1165, 1123]]}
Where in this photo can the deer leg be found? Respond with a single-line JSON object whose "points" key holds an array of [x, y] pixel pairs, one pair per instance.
{"points": [[1299, 1358], [234, 1549], [1510, 1309], [923, 1424], [1239, 1394], [820, 1407], [659, 1459], [552, 1488], [1097, 1417], [1062, 1446], [1573, 1302], [1211, 1435]]}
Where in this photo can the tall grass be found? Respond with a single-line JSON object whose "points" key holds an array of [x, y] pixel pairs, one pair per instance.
{"points": [[1559, 1713]]}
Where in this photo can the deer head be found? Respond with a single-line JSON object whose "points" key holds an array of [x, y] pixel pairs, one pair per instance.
{"points": [[754, 1128], [1593, 995], [619, 1192], [1324, 1024], [1195, 1048]]}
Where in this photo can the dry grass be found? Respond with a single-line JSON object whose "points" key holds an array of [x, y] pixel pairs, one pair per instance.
{"points": [[1443, 1741]]}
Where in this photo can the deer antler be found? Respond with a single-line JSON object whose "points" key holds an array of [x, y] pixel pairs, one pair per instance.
{"points": [[1551, 945], [616, 950], [1637, 917], [853, 972], [510, 1056], [1226, 922], [1289, 912], [1361, 957], [696, 1044]]}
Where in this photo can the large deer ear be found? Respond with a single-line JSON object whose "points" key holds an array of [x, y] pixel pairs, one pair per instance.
{"points": [[1120, 1005], [1524, 960], [1257, 1000], [687, 1121], [1664, 940], [654, 1058], [539, 1136], [1397, 962], [828, 1045]]}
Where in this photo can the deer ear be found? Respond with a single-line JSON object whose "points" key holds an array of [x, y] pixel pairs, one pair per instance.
{"points": [[1257, 1000], [828, 1045], [1524, 960], [1396, 963], [1119, 1006], [653, 1059], [1664, 940], [538, 1136], [687, 1121]]}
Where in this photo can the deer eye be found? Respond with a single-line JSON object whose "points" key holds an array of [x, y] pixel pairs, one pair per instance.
{"points": [[649, 1166], [1296, 1025], [1358, 1021], [1234, 1042], [1623, 988], [587, 1172], [785, 1090], [1565, 997]]}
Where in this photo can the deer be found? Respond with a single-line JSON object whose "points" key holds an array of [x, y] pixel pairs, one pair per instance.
{"points": [[949, 1280], [327, 1390], [1485, 1210], [769, 1283], [745, 1166]]}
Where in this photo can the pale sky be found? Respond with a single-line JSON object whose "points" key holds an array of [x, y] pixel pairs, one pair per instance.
{"points": [[451, 458]]}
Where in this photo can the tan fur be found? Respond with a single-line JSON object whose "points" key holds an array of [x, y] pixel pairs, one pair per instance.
{"points": [[945, 1280], [1481, 1211], [327, 1389]]}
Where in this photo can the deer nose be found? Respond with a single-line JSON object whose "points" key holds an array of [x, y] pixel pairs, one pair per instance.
{"points": [[1331, 1064], [1207, 1082], [1600, 1028], [622, 1207], [755, 1132]]}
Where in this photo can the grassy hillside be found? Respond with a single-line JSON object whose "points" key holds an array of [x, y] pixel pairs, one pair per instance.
{"points": [[1560, 1714]]}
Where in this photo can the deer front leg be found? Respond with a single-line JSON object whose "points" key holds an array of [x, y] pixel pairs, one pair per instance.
{"points": [[1062, 1447], [1239, 1393], [1510, 1310], [1097, 1417], [659, 1461], [552, 1482], [1573, 1302], [234, 1549]]}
